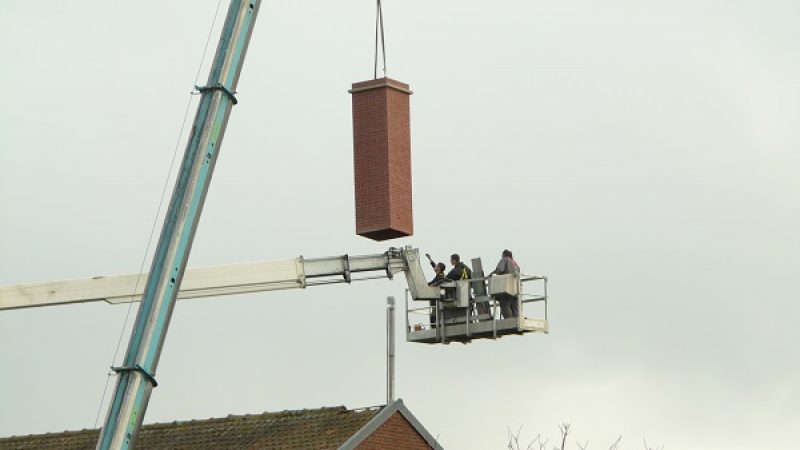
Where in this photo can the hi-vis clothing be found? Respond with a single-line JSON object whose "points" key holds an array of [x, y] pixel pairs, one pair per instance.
{"points": [[459, 272]]}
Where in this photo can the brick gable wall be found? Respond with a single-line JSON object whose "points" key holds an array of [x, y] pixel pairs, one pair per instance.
{"points": [[395, 434]]}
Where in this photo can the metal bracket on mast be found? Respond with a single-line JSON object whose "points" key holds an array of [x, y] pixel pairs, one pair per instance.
{"points": [[218, 87], [137, 368]]}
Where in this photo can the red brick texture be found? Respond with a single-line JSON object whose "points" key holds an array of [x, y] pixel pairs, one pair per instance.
{"points": [[382, 159], [395, 434]]}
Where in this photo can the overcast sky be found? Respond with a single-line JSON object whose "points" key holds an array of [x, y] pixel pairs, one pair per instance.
{"points": [[642, 154]]}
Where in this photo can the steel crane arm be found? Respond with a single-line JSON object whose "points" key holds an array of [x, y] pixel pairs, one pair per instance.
{"points": [[218, 280]]}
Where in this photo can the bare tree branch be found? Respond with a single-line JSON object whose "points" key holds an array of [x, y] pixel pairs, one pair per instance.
{"points": [[564, 427], [538, 438], [513, 439]]}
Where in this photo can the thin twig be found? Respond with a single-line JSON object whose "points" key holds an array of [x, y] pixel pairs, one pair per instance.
{"points": [[564, 433], [538, 438]]}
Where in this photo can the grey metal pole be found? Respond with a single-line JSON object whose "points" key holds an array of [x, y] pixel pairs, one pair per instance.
{"points": [[136, 378], [389, 350]]}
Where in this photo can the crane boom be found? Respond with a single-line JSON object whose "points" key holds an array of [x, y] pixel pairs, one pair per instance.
{"points": [[213, 281], [137, 374]]}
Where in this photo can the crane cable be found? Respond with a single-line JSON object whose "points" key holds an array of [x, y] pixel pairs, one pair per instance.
{"points": [[158, 212], [379, 32]]}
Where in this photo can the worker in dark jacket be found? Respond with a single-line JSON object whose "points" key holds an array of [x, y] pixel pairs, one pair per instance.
{"points": [[509, 306], [460, 271], [438, 278], [438, 269]]}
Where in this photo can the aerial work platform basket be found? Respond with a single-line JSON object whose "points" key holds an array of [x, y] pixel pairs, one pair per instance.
{"points": [[471, 309]]}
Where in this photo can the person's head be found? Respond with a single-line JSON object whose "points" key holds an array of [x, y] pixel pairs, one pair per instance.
{"points": [[507, 254], [455, 259], [440, 267]]}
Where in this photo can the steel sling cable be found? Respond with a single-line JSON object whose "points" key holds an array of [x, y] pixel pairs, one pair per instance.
{"points": [[379, 33]]}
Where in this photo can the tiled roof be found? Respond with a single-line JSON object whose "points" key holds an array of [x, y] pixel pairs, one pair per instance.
{"points": [[311, 429]]}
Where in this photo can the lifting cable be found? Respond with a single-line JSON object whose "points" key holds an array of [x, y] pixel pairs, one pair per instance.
{"points": [[158, 212], [379, 32]]}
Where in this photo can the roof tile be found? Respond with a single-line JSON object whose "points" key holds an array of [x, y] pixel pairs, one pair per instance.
{"points": [[311, 429]]}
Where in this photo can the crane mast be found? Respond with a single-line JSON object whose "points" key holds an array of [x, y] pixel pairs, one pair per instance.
{"points": [[137, 374]]}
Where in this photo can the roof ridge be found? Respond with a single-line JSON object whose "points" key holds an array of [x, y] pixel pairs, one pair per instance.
{"points": [[289, 412], [277, 415], [18, 436]]}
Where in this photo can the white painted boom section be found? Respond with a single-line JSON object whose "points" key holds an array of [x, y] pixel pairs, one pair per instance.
{"points": [[219, 280], [197, 282]]}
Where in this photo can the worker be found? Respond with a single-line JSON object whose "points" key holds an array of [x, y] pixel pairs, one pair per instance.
{"points": [[460, 271], [509, 306], [438, 279], [438, 269]]}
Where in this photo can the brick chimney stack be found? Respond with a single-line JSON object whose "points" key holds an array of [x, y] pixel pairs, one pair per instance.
{"points": [[382, 159]]}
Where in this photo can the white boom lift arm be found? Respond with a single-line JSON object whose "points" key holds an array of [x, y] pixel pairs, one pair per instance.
{"points": [[463, 314], [229, 279]]}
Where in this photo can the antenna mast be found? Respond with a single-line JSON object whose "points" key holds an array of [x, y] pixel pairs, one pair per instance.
{"points": [[389, 350]]}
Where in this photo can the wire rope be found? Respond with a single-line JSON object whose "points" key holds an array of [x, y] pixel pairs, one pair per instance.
{"points": [[379, 33]]}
